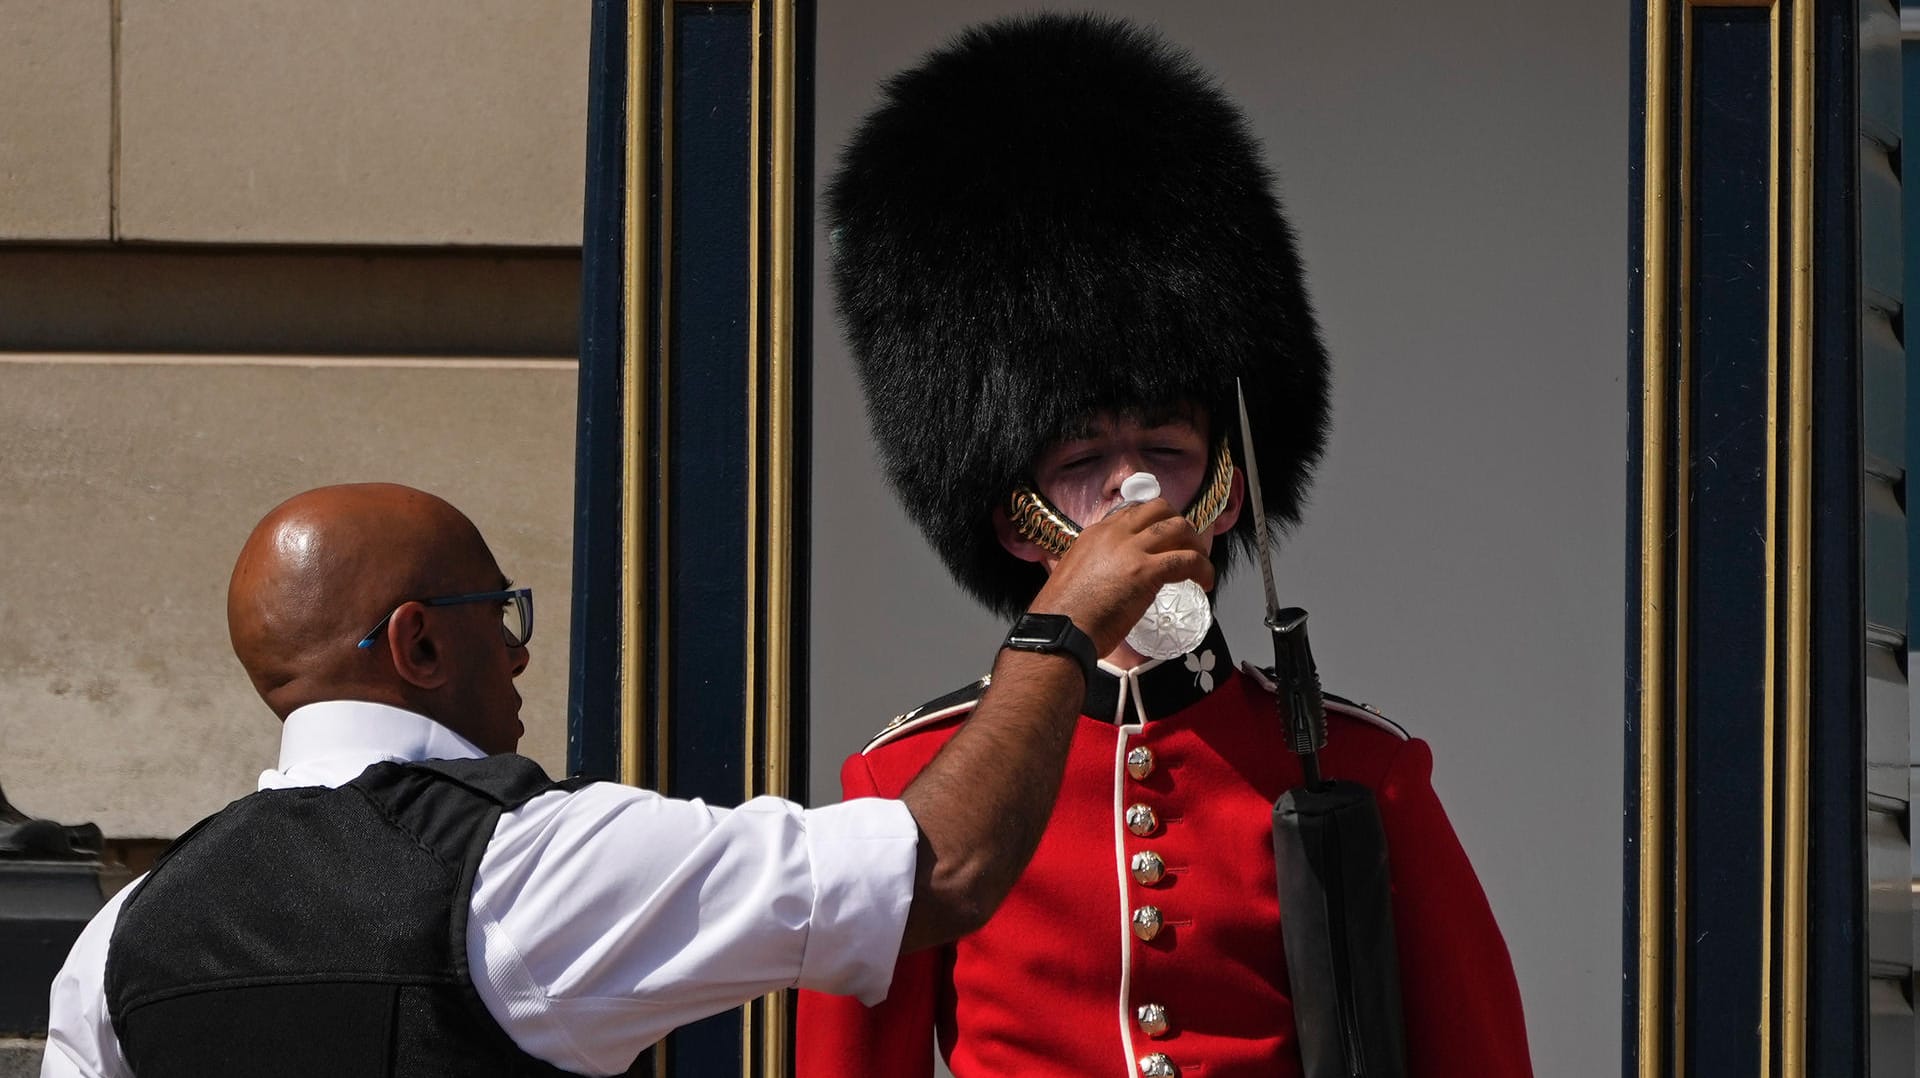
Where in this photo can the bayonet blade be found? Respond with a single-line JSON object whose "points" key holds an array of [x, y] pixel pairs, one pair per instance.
{"points": [[1252, 468], [1299, 697]]}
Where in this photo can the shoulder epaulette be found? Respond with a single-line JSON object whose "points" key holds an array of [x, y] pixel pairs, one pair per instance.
{"points": [[957, 702], [1366, 713]]}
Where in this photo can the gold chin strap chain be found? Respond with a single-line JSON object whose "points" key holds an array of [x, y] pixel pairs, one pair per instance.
{"points": [[1049, 529]]}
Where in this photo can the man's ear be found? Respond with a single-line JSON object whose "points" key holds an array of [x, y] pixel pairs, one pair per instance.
{"points": [[1016, 544], [1230, 512], [415, 652]]}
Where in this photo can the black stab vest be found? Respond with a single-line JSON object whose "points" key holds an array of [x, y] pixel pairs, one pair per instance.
{"points": [[314, 931]]}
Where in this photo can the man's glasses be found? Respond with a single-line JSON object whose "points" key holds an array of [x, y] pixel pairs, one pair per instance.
{"points": [[516, 613]]}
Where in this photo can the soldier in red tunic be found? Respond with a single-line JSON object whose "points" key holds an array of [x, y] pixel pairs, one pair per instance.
{"points": [[1055, 248]]}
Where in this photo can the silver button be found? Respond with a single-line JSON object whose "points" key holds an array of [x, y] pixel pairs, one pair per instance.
{"points": [[1146, 922], [1157, 1065], [1141, 820], [1148, 868], [1140, 761], [1153, 1019]]}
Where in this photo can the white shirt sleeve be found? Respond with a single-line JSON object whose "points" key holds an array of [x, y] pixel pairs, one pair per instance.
{"points": [[603, 919], [80, 1038]]}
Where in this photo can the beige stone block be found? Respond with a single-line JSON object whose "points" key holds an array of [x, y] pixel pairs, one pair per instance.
{"points": [[356, 121], [128, 488], [358, 301], [56, 119]]}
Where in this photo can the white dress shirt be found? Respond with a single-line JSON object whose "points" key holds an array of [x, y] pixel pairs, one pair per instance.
{"points": [[580, 939]]}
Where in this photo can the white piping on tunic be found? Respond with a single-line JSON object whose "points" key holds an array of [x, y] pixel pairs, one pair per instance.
{"points": [[1364, 713], [1129, 686], [915, 723], [1120, 864], [1139, 702]]}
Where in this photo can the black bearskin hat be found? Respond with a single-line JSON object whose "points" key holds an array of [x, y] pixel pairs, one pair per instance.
{"points": [[1054, 215]]}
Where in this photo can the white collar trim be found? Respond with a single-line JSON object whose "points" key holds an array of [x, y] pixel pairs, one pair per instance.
{"points": [[331, 742]]}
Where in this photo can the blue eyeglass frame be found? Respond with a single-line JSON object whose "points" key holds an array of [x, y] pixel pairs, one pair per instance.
{"points": [[520, 597]]}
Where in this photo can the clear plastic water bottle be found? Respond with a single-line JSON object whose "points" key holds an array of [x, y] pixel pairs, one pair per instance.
{"points": [[1180, 615]]}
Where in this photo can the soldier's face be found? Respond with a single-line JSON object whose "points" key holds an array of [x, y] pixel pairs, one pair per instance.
{"points": [[1081, 474]]}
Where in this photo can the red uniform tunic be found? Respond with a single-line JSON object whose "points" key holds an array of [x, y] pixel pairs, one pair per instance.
{"points": [[1056, 982]]}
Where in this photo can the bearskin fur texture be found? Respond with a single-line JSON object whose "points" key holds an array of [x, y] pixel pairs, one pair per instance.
{"points": [[1054, 215]]}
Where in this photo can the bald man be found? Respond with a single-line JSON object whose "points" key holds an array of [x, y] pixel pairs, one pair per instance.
{"points": [[405, 896]]}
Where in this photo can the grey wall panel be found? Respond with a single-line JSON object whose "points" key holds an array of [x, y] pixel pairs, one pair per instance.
{"points": [[1883, 357], [1457, 176], [1880, 202]]}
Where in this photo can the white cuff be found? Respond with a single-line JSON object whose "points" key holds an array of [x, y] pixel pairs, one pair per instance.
{"points": [[864, 853]]}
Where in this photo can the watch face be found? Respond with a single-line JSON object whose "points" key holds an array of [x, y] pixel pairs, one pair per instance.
{"points": [[1037, 632]]}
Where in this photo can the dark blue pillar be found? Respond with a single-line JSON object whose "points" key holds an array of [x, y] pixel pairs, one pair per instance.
{"points": [[691, 493]]}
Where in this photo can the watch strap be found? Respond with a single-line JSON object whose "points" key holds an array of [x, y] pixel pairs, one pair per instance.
{"points": [[1054, 634]]}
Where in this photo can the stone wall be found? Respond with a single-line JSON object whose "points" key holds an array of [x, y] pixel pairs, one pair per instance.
{"points": [[248, 247]]}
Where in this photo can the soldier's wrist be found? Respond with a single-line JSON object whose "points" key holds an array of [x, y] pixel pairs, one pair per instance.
{"points": [[1054, 634]]}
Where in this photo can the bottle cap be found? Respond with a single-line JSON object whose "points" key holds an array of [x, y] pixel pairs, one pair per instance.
{"points": [[1139, 487]]}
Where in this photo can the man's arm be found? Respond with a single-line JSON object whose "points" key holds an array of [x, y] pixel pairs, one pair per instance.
{"points": [[838, 1036], [604, 918], [984, 800], [80, 1038]]}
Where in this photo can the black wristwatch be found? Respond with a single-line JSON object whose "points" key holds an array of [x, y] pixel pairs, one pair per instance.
{"points": [[1053, 634]]}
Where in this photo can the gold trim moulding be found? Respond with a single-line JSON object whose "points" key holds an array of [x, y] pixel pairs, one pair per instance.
{"points": [[1679, 715], [1799, 657], [1771, 620], [633, 485], [1651, 1011], [771, 225], [636, 511], [782, 220], [751, 777]]}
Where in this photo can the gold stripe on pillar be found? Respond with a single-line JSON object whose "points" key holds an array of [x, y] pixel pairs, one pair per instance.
{"points": [[638, 509], [780, 393], [770, 401], [782, 216], [1681, 471], [1653, 529], [770, 427], [750, 773], [1799, 657], [633, 483]]}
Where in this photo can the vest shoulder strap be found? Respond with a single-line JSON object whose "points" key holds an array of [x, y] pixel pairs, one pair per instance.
{"points": [[508, 779]]}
